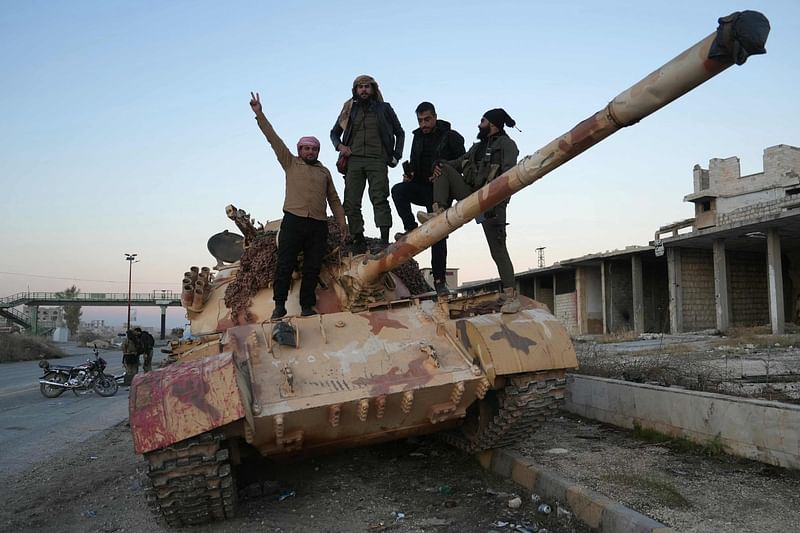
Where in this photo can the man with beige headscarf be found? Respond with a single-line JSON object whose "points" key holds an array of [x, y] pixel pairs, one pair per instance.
{"points": [[368, 135]]}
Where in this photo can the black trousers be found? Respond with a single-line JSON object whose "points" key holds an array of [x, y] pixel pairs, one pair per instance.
{"points": [[299, 234], [411, 192]]}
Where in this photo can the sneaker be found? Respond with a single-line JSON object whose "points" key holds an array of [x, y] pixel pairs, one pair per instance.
{"points": [[279, 311], [308, 311], [424, 216], [511, 303]]}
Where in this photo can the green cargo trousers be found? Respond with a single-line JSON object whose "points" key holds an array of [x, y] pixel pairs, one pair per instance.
{"points": [[450, 185], [360, 171]]}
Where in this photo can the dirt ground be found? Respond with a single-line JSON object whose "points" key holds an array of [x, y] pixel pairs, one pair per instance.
{"points": [[687, 487], [416, 485], [422, 485]]}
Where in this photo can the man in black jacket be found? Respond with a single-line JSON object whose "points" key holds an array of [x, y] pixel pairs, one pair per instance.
{"points": [[145, 343], [434, 140], [369, 134]]}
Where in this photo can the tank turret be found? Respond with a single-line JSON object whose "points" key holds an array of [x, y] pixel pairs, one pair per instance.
{"points": [[380, 361]]}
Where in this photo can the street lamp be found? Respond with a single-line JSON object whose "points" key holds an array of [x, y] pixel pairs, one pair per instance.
{"points": [[130, 258]]}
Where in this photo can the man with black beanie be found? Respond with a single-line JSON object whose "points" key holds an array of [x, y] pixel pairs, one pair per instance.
{"points": [[492, 155]]}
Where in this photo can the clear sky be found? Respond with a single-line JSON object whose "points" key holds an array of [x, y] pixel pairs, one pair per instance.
{"points": [[125, 126]]}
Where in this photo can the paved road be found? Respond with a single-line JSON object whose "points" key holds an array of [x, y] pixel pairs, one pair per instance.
{"points": [[33, 428]]}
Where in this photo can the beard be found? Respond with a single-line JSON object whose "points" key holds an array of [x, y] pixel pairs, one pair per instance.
{"points": [[483, 133]]}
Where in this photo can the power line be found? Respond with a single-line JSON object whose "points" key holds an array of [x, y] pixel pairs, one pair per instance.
{"points": [[94, 280]]}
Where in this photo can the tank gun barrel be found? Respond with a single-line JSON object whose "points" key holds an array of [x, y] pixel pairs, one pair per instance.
{"points": [[739, 35]]}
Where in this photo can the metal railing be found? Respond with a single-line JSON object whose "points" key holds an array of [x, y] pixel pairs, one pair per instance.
{"points": [[23, 298]]}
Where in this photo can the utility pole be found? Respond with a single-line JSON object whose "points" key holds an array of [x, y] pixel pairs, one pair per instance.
{"points": [[130, 259], [540, 256]]}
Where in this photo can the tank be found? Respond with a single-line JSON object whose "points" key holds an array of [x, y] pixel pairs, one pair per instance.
{"points": [[381, 361]]}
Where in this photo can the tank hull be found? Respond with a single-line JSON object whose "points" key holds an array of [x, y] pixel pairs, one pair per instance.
{"points": [[348, 378]]}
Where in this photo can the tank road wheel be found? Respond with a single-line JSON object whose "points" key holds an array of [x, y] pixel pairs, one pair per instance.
{"points": [[508, 415], [191, 482], [51, 391]]}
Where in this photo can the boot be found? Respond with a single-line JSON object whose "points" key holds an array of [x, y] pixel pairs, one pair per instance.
{"points": [[359, 245], [511, 304], [441, 287], [279, 311], [424, 216], [400, 234], [384, 236], [308, 310]]}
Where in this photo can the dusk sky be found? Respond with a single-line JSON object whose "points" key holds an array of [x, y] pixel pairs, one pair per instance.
{"points": [[126, 125]]}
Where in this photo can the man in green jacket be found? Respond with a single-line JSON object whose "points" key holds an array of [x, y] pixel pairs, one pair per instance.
{"points": [[368, 133], [494, 153], [309, 191]]}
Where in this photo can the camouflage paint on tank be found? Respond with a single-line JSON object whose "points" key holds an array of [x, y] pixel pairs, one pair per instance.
{"points": [[528, 341], [180, 401]]}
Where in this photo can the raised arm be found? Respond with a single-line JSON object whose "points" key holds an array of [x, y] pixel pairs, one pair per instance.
{"points": [[283, 154]]}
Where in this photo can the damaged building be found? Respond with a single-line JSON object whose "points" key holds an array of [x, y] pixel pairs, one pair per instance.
{"points": [[735, 264]]}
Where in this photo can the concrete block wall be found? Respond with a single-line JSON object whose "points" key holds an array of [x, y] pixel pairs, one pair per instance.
{"points": [[566, 310], [761, 430], [782, 161], [748, 292], [724, 174], [757, 210], [697, 285]]}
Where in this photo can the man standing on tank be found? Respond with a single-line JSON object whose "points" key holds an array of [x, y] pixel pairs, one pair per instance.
{"points": [[368, 133], [309, 190], [434, 140], [494, 153]]}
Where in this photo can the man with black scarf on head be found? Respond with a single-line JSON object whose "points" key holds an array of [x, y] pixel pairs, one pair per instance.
{"points": [[494, 153]]}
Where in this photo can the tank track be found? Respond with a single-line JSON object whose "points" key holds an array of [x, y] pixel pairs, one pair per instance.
{"points": [[508, 415], [191, 482]]}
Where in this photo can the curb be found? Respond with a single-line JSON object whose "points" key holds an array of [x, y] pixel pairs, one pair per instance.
{"points": [[589, 507]]}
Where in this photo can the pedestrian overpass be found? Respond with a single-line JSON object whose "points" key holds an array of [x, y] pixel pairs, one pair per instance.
{"points": [[34, 300]]}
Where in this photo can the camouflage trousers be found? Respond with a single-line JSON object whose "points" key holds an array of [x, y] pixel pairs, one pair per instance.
{"points": [[360, 172], [450, 185]]}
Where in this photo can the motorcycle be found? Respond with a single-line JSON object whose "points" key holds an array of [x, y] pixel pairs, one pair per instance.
{"points": [[79, 379]]}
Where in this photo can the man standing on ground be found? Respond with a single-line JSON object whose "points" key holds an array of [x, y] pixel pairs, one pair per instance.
{"points": [[434, 140], [493, 154], [145, 342], [369, 134], [309, 190], [130, 357]]}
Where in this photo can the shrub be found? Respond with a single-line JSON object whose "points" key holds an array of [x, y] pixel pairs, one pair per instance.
{"points": [[25, 348]]}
